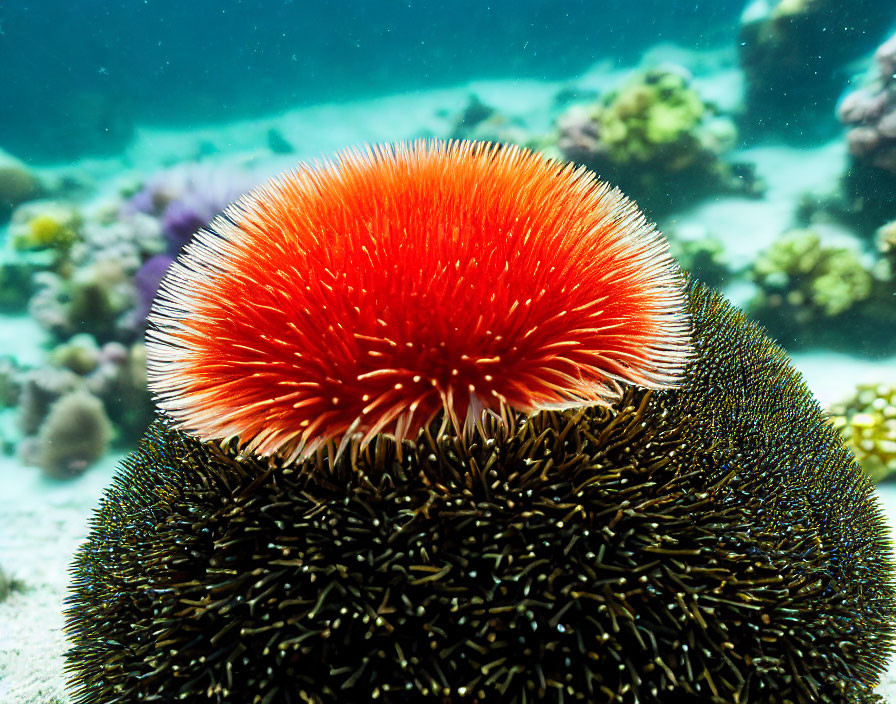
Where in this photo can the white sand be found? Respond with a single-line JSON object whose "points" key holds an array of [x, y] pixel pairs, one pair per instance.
{"points": [[41, 524], [747, 225]]}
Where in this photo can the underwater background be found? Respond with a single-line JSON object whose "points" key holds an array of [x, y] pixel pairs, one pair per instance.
{"points": [[760, 136]]}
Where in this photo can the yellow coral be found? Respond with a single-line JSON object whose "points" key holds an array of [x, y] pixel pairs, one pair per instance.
{"points": [[867, 422], [45, 225], [799, 269], [47, 231]]}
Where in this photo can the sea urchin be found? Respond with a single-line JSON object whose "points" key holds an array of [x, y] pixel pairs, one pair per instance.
{"points": [[707, 543], [367, 295]]}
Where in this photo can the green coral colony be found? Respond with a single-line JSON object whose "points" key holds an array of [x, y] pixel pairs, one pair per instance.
{"points": [[712, 543]]}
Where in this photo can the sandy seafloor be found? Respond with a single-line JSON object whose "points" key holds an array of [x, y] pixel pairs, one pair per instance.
{"points": [[42, 521]]}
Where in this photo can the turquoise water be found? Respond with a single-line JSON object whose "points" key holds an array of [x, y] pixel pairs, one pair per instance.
{"points": [[759, 136], [103, 68]]}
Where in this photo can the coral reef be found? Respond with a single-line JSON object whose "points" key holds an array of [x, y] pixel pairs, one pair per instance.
{"points": [[80, 354], [119, 380], [182, 200], [17, 184], [78, 270], [96, 292], [75, 433], [653, 129], [791, 51], [810, 280], [867, 422], [40, 389], [113, 373], [126, 238], [98, 299], [813, 293]]}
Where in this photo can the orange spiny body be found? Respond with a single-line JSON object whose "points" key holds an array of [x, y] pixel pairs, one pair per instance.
{"points": [[366, 295]]}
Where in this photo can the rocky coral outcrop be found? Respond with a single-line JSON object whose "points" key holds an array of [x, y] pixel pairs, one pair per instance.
{"points": [[651, 130]]}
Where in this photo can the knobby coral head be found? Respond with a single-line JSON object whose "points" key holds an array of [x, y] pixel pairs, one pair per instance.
{"points": [[366, 295]]}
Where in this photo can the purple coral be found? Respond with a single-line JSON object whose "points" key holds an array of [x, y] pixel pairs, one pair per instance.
{"points": [[184, 198], [871, 113], [188, 197], [579, 135], [147, 280]]}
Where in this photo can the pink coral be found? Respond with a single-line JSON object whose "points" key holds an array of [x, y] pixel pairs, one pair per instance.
{"points": [[871, 113]]}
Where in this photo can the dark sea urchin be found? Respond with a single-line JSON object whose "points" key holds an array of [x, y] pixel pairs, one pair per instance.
{"points": [[574, 477]]}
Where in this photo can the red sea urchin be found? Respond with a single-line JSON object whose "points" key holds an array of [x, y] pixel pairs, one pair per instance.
{"points": [[364, 296]]}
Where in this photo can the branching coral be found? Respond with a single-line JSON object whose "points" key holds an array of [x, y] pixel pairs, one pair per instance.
{"points": [[811, 292], [867, 422]]}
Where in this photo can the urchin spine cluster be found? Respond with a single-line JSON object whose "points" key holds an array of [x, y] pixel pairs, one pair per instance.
{"points": [[371, 294]]}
